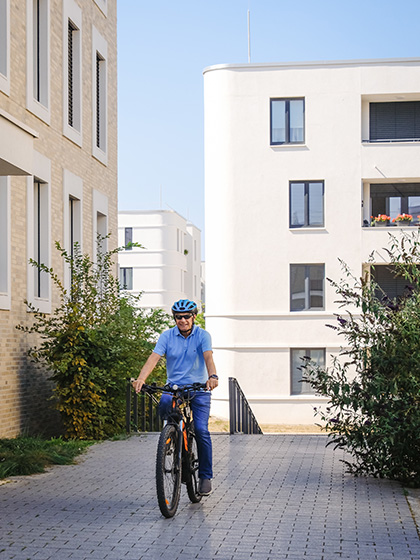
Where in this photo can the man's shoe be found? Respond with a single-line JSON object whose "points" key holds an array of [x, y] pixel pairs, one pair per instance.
{"points": [[204, 488]]}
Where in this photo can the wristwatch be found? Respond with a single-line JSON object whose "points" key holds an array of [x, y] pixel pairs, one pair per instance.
{"points": [[214, 376]]}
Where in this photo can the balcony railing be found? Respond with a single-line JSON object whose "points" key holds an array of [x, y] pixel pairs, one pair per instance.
{"points": [[241, 417]]}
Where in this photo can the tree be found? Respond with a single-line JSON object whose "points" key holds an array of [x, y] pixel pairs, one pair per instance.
{"points": [[373, 386], [93, 341]]}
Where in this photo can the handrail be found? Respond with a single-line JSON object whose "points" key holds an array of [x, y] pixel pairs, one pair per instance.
{"points": [[241, 417], [141, 414]]}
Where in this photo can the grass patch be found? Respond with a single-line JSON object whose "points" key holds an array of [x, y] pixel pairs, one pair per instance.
{"points": [[28, 455]]}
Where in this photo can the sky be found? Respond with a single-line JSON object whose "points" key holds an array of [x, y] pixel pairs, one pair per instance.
{"points": [[163, 48]]}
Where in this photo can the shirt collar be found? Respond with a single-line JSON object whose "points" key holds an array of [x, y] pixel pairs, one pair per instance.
{"points": [[194, 330]]}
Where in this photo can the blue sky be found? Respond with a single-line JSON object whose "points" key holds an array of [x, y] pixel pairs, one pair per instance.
{"points": [[164, 46]]}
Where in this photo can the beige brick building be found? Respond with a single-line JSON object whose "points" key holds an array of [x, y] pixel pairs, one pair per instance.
{"points": [[58, 170]]}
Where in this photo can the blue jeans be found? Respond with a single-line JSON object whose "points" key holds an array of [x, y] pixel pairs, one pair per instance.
{"points": [[200, 406]]}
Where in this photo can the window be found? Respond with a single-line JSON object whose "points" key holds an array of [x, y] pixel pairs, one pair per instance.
{"points": [[306, 204], [38, 58], [128, 238], [394, 121], [72, 71], [38, 231], [4, 243], [99, 81], [306, 287], [395, 198], [389, 283], [4, 45], [100, 222], [72, 215], [317, 355], [126, 278], [287, 121]]}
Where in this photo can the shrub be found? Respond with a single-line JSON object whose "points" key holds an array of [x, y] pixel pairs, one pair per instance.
{"points": [[373, 386], [93, 341]]}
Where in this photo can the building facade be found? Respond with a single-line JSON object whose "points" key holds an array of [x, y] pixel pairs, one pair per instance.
{"points": [[167, 267], [58, 171], [298, 158]]}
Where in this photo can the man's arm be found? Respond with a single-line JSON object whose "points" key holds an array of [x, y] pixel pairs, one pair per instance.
{"points": [[212, 382], [146, 370]]}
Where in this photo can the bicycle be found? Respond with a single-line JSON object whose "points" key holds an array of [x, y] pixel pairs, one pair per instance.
{"points": [[177, 454]]}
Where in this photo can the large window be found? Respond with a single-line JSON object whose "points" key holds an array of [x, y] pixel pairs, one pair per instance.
{"points": [[100, 103], [317, 355], [306, 287], [126, 278], [4, 45], [399, 121], [395, 198], [38, 58], [287, 118], [100, 223], [4, 243], [389, 283], [72, 68], [306, 204]]}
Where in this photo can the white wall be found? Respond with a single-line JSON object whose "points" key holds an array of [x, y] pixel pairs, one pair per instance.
{"points": [[249, 245], [164, 269]]}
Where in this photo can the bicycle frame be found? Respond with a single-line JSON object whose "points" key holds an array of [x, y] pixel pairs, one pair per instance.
{"points": [[175, 461]]}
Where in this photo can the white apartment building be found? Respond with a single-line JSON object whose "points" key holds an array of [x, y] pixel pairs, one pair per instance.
{"points": [[167, 268], [298, 157], [58, 173]]}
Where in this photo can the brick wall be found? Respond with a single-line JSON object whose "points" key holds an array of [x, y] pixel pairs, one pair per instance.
{"points": [[25, 389]]}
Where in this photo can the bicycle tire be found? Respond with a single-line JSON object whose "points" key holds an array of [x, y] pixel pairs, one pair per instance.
{"points": [[168, 472], [191, 479]]}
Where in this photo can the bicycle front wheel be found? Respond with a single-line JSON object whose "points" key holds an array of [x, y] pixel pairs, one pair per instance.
{"points": [[192, 480], [168, 471]]}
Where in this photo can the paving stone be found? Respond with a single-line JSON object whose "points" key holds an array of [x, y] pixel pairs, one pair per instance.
{"points": [[282, 497]]}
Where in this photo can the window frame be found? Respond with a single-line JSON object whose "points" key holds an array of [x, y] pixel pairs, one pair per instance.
{"points": [[306, 204], [5, 232], [307, 287], [123, 272], [287, 141], [307, 352], [39, 108], [41, 174], [72, 14], [100, 221], [5, 38], [99, 97]]}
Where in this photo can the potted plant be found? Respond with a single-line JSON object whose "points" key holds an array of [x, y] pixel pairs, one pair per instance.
{"points": [[380, 220], [403, 219]]}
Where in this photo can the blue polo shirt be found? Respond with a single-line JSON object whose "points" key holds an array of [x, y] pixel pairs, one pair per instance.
{"points": [[184, 356]]}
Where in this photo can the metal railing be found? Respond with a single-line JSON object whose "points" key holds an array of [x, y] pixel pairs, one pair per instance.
{"points": [[241, 417], [141, 414]]}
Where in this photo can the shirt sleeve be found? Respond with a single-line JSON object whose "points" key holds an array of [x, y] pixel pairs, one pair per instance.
{"points": [[161, 344], [205, 341]]}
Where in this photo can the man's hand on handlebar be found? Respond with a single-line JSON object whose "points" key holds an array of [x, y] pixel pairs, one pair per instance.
{"points": [[137, 384]]}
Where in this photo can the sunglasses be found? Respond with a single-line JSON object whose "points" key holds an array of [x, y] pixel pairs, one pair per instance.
{"points": [[180, 317]]}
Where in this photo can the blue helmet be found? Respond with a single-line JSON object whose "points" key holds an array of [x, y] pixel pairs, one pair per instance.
{"points": [[184, 306]]}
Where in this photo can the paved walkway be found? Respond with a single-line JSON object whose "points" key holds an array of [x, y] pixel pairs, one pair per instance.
{"points": [[275, 497]]}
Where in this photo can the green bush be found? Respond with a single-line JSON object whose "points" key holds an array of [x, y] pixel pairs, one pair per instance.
{"points": [[373, 387], [93, 341]]}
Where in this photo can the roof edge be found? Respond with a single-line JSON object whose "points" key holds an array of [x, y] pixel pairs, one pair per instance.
{"points": [[311, 64]]}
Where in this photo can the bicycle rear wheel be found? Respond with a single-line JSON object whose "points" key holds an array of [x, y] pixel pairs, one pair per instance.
{"points": [[168, 471], [192, 479]]}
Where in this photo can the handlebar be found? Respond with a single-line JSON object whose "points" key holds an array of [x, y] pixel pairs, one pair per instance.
{"points": [[174, 389]]}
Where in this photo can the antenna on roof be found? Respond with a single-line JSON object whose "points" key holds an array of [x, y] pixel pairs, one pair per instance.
{"points": [[249, 36]]}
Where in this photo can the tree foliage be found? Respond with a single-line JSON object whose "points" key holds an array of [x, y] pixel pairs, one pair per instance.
{"points": [[93, 341], [373, 386]]}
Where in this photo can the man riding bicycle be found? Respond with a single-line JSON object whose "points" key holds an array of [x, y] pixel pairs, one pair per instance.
{"points": [[189, 359]]}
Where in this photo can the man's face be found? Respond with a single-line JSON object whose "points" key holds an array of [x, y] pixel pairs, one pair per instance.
{"points": [[184, 321]]}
